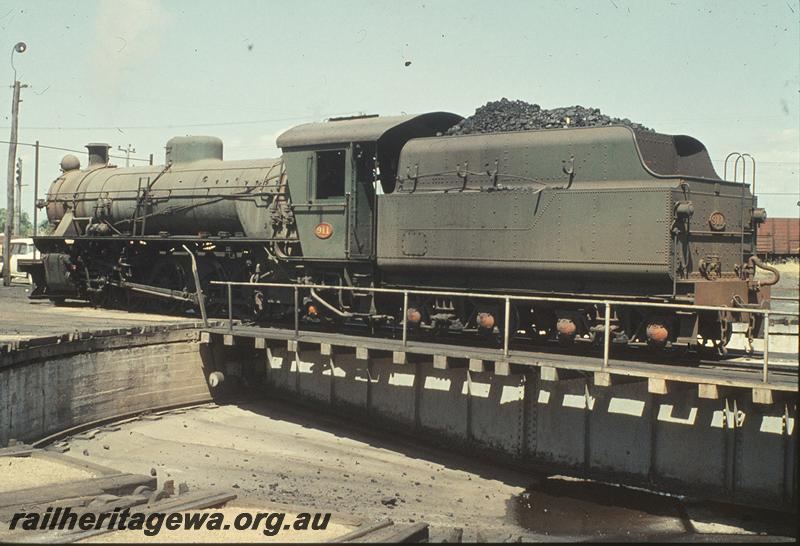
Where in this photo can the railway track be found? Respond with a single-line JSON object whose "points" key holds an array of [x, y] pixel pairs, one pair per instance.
{"points": [[520, 343], [727, 372]]}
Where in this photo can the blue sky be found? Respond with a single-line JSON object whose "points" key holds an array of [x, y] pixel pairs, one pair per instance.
{"points": [[142, 71]]}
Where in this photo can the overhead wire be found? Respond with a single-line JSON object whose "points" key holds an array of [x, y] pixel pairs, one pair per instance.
{"points": [[180, 126], [73, 150], [172, 126]]}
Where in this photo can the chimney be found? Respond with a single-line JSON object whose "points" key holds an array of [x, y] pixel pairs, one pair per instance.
{"points": [[98, 154]]}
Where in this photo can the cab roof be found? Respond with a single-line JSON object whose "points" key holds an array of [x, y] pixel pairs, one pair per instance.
{"points": [[365, 129]]}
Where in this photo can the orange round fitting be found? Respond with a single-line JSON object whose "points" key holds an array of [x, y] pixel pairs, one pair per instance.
{"points": [[486, 320], [566, 327], [312, 310], [413, 315], [657, 333]]}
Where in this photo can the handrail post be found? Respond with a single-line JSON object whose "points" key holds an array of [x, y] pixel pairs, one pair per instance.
{"points": [[765, 372], [484, 295], [296, 313], [506, 326], [606, 335], [230, 307], [198, 289], [405, 317]]}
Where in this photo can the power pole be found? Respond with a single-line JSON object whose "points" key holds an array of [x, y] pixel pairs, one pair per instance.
{"points": [[20, 47], [128, 151], [12, 153], [18, 200], [36, 192]]}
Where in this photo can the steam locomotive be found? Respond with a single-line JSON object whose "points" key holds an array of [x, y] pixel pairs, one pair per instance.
{"points": [[374, 201]]}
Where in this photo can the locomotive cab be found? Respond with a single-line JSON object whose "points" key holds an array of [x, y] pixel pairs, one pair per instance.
{"points": [[336, 169]]}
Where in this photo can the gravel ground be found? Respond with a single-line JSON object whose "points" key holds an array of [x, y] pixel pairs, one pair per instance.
{"points": [[272, 457], [24, 472], [274, 454], [787, 285], [22, 318]]}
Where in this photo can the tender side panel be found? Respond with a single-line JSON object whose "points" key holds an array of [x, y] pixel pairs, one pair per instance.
{"points": [[522, 159], [561, 232]]}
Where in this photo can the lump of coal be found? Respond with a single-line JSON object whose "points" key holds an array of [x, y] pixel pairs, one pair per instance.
{"points": [[515, 115]]}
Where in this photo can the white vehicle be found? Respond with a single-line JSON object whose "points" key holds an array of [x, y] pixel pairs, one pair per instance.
{"points": [[21, 249]]}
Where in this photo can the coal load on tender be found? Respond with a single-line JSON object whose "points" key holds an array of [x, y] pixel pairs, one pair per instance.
{"points": [[516, 115]]}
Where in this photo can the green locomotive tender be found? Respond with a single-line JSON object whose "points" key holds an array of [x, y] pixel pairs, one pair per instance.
{"points": [[388, 202]]}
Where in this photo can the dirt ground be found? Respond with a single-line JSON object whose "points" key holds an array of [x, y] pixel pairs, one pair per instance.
{"points": [[271, 454], [273, 458], [787, 285], [790, 271], [24, 472], [21, 318]]}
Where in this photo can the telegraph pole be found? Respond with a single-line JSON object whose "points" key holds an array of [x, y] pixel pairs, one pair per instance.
{"points": [[36, 192], [12, 152], [18, 200], [20, 47], [128, 151]]}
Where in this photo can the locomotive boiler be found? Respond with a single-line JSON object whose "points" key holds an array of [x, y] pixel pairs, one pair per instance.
{"points": [[388, 202]]}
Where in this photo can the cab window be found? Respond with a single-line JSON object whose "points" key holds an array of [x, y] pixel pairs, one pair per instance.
{"points": [[330, 174]]}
